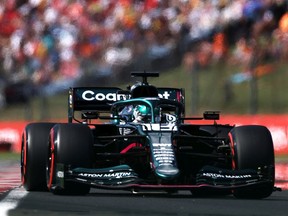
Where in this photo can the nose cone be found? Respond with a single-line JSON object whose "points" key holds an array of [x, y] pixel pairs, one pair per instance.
{"points": [[167, 171]]}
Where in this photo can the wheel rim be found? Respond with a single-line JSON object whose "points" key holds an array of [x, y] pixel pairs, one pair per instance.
{"points": [[50, 160], [232, 146], [23, 158]]}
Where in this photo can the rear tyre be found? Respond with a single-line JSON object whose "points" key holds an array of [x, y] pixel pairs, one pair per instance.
{"points": [[252, 148], [33, 156], [70, 144]]}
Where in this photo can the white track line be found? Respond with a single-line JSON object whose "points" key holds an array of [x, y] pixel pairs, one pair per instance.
{"points": [[11, 200]]}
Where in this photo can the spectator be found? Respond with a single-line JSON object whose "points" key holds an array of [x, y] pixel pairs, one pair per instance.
{"points": [[55, 43]]}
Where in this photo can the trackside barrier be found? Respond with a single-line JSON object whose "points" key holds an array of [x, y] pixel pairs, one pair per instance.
{"points": [[10, 132], [277, 124], [281, 175]]}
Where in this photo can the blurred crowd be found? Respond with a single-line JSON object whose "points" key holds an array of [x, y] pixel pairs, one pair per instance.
{"points": [[50, 45]]}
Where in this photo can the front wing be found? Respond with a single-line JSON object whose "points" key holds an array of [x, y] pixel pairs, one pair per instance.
{"points": [[122, 177]]}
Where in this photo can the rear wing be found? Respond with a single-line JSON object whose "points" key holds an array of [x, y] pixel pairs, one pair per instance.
{"points": [[176, 94], [101, 98]]}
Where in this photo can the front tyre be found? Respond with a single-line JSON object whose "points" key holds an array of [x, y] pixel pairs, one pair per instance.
{"points": [[33, 156], [252, 148], [69, 145]]}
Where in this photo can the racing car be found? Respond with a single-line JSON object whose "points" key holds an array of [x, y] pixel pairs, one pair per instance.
{"points": [[139, 139]]}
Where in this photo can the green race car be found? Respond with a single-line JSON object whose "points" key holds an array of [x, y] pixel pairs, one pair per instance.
{"points": [[140, 140]]}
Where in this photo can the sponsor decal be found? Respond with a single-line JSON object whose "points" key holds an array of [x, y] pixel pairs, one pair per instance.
{"points": [[159, 127], [165, 95], [90, 95], [116, 175], [226, 176], [170, 118], [163, 153]]}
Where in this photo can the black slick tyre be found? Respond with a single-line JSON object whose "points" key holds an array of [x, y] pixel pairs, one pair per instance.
{"points": [[33, 156], [69, 145], [252, 148]]}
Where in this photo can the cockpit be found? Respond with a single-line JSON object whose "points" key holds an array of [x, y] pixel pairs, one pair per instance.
{"points": [[149, 111]]}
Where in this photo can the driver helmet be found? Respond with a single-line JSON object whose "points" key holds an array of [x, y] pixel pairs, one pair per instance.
{"points": [[140, 113], [143, 90]]}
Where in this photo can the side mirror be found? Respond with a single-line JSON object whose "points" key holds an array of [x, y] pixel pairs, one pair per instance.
{"points": [[211, 115], [90, 115]]}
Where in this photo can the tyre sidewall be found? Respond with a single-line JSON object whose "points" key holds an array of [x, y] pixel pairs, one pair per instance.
{"points": [[252, 147], [33, 156], [72, 146]]}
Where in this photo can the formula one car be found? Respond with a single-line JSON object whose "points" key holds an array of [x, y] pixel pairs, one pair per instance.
{"points": [[139, 140]]}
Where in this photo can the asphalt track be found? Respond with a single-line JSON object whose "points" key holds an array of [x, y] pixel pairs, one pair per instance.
{"points": [[18, 202], [124, 203]]}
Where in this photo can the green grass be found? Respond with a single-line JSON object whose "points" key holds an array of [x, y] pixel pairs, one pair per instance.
{"points": [[272, 90], [272, 94], [281, 158], [9, 156]]}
